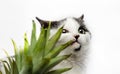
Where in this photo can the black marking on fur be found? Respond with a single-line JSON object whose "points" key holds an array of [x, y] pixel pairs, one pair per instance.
{"points": [[81, 22], [54, 24], [81, 17], [84, 28]]}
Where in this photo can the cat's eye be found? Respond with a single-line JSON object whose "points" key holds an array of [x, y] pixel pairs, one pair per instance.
{"points": [[82, 31], [64, 31]]}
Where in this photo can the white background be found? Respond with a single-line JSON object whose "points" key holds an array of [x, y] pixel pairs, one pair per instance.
{"points": [[101, 16]]}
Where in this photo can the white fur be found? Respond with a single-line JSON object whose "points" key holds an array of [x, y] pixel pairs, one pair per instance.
{"points": [[77, 60]]}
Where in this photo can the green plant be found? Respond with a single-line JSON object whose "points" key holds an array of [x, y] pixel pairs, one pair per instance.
{"points": [[38, 57]]}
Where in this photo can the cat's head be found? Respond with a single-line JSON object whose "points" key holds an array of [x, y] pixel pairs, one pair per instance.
{"points": [[74, 29]]}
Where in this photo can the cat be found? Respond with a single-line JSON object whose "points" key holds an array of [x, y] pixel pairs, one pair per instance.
{"points": [[74, 29]]}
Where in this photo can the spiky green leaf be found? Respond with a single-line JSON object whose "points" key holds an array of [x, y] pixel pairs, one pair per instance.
{"points": [[53, 40], [26, 44], [7, 71], [18, 55], [38, 67], [58, 49], [40, 45], [27, 65], [58, 71], [40, 56], [33, 37], [0, 72], [53, 62]]}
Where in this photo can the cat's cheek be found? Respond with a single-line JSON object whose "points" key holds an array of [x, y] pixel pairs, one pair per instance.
{"points": [[84, 40], [65, 38]]}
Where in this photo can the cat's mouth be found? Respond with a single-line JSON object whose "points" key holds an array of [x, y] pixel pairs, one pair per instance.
{"points": [[77, 46], [77, 49]]}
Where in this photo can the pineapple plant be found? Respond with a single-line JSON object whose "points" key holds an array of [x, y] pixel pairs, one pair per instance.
{"points": [[39, 56]]}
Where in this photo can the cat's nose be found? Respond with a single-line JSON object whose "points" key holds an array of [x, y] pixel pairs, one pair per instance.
{"points": [[76, 36]]}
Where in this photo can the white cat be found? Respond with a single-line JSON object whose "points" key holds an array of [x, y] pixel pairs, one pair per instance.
{"points": [[74, 29]]}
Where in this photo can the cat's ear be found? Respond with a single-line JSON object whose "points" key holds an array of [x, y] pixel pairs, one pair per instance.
{"points": [[81, 17], [43, 22], [46, 23]]}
